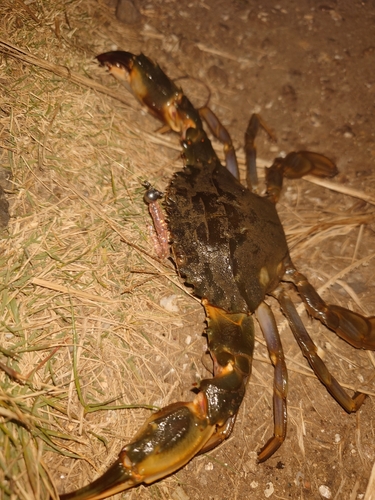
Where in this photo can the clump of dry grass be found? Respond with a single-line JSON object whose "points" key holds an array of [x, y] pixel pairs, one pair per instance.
{"points": [[83, 336], [73, 269]]}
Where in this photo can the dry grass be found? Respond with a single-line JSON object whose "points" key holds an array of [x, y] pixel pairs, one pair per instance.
{"points": [[71, 278], [83, 335]]}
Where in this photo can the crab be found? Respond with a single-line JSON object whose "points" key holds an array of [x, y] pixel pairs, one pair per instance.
{"points": [[229, 245]]}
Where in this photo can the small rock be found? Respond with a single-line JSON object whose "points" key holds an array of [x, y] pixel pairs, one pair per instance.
{"points": [[324, 491], [269, 490], [169, 303], [347, 131], [127, 13]]}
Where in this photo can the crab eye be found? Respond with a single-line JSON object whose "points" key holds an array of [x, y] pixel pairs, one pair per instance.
{"points": [[152, 195]]}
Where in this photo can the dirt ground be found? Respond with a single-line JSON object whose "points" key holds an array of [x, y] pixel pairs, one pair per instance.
{"points": [[83, 325]]}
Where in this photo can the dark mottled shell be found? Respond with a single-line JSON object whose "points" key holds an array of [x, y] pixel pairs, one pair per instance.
{"points": [[227, 241]]}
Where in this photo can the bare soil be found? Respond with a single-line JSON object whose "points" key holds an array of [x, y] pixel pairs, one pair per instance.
{"points": [[82, 323]]}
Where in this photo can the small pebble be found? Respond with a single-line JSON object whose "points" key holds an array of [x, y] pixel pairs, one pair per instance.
{"points": [[324, 491], [269, 490], [169, 303]]}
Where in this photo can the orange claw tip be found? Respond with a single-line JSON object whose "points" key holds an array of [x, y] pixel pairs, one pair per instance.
{"points": [[116, 479]]}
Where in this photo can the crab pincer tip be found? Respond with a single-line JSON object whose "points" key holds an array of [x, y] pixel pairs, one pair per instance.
{"points": [[116, 57], [116, 479]]}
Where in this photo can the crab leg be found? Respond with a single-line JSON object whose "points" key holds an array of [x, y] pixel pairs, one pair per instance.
{"points": [[280, 386], [255, 122], [309, 350], [222, 134], [175, 434], [294, 166], [357, 330], [231, 345]]}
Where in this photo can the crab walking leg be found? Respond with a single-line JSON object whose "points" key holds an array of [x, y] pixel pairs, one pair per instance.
{"points": [[175, 434], [255, 122], [309, 350], [294, 166], [357, 330], [280, 385]]}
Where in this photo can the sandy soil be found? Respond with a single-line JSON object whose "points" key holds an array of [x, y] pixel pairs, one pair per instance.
{"points": [[74, 278]]}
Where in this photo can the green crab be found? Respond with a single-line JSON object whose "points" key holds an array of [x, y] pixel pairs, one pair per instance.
{"points": [[229, 245]]}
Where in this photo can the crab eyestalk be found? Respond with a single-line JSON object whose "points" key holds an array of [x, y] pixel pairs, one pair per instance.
{"points": [[159, 230]]}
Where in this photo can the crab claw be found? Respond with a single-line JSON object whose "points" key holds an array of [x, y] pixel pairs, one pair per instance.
{"points": [[171, 437], [151, 86], [119, 63], [167, 441]]}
